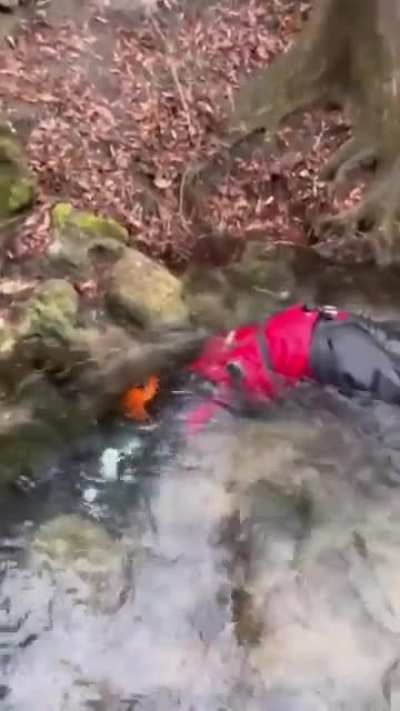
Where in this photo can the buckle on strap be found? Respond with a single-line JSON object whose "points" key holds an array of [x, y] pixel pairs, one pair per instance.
{"points": [[327, 312]]}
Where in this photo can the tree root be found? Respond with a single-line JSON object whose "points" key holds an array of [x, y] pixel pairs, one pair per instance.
{"points": [[376, 218], [349, 157]]}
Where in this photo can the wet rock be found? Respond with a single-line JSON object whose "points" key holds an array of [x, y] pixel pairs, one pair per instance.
{"points": [[78, 235], [248, 289], [17, 185], [270, 271], [110, 361], [55, 389], [209, 297], [145, 292], [83, 557], [280, 513], [20, 439]]}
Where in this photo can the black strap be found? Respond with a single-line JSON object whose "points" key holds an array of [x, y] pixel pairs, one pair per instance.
{"points": [[262, 344]]}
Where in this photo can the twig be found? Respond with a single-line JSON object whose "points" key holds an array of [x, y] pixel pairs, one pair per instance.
{"points": [[174, 74], [181, 193]]}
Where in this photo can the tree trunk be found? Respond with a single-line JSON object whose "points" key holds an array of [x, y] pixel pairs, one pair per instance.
{"points": [[349, 52]]}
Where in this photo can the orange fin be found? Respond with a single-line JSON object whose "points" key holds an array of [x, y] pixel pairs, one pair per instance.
{"points": [[135, 399]]}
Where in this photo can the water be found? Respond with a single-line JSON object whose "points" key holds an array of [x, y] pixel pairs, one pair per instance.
{"points": [[254, 566]]}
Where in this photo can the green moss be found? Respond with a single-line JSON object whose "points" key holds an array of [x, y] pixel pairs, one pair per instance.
{"points": [[65, 216], [60, 215], [52, 311], [17, 184], [21, 194]]}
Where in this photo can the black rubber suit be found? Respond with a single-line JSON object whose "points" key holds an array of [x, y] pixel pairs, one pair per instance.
{"points": [[358, 355]]}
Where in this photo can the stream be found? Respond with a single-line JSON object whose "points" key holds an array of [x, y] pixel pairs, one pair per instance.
{"points": [[255, 565]]}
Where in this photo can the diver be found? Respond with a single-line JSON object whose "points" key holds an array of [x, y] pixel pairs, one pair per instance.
{"points": [[257, 363], [254, 364]]}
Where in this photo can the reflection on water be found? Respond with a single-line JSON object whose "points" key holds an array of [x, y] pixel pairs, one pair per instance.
{"points": [[254, 566]]}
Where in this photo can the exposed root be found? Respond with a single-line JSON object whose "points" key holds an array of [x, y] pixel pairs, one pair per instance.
{"points": [[376, 219], [351, 156]]}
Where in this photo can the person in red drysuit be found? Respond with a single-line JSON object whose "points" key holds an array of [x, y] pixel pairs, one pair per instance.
{"points": [[257, 362]]}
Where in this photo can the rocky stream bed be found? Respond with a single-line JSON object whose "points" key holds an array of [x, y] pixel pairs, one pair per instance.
{"points": [[252, 567]]}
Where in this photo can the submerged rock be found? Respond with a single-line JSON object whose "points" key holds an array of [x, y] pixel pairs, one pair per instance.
{"points": [[17, 184], [83, 557], [146, 292], [78, 234]]}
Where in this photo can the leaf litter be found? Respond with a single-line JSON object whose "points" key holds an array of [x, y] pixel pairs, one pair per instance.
{"points": [[120, 110]]}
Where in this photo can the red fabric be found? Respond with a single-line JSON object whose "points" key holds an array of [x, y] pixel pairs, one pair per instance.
{"points": [[288, 336]]}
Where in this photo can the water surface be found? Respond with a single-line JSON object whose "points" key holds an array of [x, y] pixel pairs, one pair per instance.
{"points": [[254, 566]]}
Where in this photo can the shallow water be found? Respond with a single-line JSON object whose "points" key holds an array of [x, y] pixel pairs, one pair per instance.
{"points": [[253, 566]]}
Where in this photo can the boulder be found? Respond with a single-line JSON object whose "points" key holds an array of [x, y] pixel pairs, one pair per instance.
{"points": [[145, 292], [50, 313], [78, 235]]}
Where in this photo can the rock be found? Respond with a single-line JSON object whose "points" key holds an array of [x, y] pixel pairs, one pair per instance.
{"points": [[83, 557], [145, 292], [267, 271], [209, 297], [70, 540], [51, 312], [78, 235], [249, 289], [55, 389], [111, 361], [17, 185]]}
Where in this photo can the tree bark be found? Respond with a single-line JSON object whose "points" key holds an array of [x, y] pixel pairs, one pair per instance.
{"points": [[349, 52]]}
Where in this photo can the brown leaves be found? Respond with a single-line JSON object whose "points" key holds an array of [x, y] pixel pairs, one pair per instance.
{"points": [[118, 103]]}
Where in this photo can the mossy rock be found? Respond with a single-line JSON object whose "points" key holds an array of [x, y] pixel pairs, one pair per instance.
{"points": [[51, 312], [146, 292], [17, 184], [77, 234]]}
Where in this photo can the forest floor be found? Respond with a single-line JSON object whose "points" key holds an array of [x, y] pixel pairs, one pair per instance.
{"points": [[116, 107]]}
